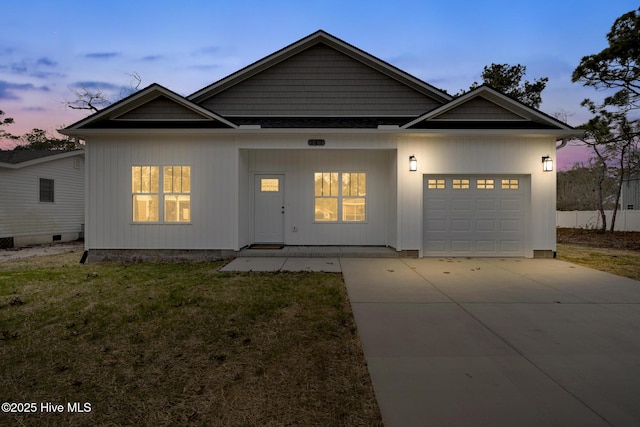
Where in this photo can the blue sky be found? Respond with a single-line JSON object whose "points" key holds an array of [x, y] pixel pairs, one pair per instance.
{"points": [[48, 48]]}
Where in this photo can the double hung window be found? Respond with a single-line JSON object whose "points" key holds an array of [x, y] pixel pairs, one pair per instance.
{"points": [[166, 188], [340, 197]]}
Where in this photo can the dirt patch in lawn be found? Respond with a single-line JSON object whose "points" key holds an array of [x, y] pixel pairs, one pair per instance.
{"points": [[623, 240]]}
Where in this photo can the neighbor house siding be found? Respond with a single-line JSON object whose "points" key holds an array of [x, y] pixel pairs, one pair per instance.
{"points": [[478, 156], [631, 194], [213, 190], [320, 82], [23, 215]]}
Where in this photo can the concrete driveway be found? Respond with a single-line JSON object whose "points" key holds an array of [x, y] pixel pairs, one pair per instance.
{"points": [[498, 342]]}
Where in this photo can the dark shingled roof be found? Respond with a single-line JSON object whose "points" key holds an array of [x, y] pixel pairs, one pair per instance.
{"points": [[20, 156], [153, 124], [476, 124]]}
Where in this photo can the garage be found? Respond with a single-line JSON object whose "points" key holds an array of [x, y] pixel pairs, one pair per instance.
{"points": [[475, 215]]}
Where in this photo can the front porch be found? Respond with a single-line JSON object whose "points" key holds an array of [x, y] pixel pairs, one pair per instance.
{"points": [[328, 252]]}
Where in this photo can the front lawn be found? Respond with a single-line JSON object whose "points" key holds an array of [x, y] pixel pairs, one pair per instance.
{"points": [[617, 253], [179, 344]]}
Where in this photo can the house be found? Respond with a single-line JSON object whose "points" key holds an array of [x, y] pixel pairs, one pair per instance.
{"points": [[41, 196], [319, 143], [630, 198]]}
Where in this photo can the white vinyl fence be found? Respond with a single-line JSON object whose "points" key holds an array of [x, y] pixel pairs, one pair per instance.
{"points": [[626, 220]]}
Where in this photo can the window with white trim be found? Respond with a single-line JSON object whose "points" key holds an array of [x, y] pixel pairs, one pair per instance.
{"points": [[175, 182], [340, 197], [177, 193], [145, 189]]}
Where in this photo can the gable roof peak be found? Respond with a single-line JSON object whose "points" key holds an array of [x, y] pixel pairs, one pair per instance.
{"points": [[319, 37], [139, 98]]}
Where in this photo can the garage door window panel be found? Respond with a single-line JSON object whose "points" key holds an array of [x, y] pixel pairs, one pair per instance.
{"points": [[510, 184], [485, 184], [436, 184], [460, 184]]}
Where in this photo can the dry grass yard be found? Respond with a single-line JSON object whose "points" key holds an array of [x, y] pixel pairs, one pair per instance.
{"points": [[617, 253], [179, 344]]}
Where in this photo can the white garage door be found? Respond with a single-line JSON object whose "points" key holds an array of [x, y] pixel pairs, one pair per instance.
{"points": [[475, 215]]}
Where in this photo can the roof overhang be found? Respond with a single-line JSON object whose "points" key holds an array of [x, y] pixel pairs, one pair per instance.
{"points": [[39, 160], [138, 99], [526, 113], [556, 133]]}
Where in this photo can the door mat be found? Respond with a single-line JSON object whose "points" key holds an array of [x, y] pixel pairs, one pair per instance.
{"points": [[266, 246]]}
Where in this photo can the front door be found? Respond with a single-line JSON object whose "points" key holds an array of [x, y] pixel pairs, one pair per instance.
{"points": [[269, 209]]}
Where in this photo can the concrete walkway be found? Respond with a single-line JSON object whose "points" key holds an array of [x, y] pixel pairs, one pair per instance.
{"points": [[491, 342], [498, 342]]}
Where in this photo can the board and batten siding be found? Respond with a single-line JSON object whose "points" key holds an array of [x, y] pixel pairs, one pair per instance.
{"points": [[320, 82], [214, 189], [298, 168], [468, 155], [23, 216]]}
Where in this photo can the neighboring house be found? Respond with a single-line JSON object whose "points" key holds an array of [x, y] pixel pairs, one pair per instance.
{"points": [[313, 145], [41, 196], [630, 198]]}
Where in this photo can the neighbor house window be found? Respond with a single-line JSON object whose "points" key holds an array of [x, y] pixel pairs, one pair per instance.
{"points": [[177, 193], [46, 190], [173, 185], [340, 196]]}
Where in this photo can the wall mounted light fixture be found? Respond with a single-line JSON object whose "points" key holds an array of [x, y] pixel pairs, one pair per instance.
{"points": [[547, 164], [413, 163]]}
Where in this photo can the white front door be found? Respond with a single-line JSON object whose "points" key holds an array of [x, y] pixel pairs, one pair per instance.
{"points": [[269, 209]]}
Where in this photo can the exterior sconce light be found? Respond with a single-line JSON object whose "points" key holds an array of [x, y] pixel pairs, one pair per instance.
{"points": [[413, 163], [547, 164]]}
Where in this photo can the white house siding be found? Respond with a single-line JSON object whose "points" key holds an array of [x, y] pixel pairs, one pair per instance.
{"points": [[298, 167], [469, 155], [214, 190], [25, 218]]}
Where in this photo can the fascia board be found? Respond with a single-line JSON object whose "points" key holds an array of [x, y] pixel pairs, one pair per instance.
{"points": [[556, 133]]}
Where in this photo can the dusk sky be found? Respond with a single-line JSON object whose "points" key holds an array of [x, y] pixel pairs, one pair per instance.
{"points": [[49, 48]]}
